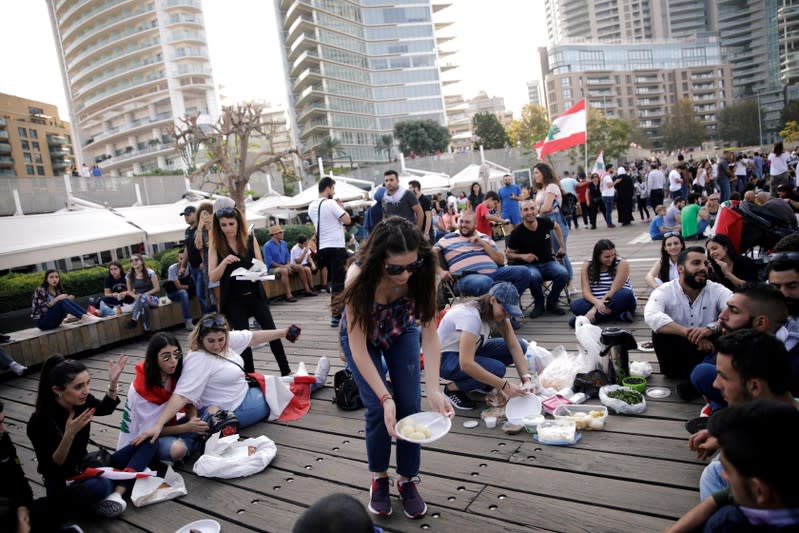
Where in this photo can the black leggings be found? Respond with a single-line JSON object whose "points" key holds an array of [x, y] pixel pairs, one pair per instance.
{"points": [[238, 313], [642, 207]]}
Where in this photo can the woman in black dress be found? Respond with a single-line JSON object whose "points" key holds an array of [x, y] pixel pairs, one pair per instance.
{"points": [[232, 247]]}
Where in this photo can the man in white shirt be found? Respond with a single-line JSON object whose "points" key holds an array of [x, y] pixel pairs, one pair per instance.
{"points": [[675, 182], [329, 220], [655, 181], [608, 191], [679, 313]]}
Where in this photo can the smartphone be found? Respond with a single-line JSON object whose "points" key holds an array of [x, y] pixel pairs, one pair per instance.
{"points": [[293, 333]]}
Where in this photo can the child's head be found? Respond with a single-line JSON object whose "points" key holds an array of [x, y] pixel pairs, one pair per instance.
{"points": [[660, 209], [334, 513]]}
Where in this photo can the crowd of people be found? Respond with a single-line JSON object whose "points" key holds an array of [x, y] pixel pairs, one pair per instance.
{"points": [[717, 328]]}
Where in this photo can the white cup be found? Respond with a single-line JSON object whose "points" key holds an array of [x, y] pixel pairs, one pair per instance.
{"points": [[491, 422]]}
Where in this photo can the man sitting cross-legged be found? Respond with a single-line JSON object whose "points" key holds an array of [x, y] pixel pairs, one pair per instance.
{"points": [[678, 312], [473, 259], [530, 245], [759, 459], [749, 365]]}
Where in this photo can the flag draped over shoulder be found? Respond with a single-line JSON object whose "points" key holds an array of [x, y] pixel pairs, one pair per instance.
{"points": [[568, 130]]}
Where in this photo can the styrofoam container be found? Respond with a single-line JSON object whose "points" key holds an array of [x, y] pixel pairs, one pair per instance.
{"points": [[438, 425], [519, 407], [590, 417]]}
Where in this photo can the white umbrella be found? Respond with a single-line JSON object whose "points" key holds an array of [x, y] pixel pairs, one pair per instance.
{"points": [[344, 191]]}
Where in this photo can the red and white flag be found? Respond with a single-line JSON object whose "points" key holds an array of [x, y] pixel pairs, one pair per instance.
{"points": [[599, 165], [566, 131]]}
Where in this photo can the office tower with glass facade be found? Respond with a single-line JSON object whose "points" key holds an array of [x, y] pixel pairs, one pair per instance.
{"points": [[355, 68], [130, 70]]}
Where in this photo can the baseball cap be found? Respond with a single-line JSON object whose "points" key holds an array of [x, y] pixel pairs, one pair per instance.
{"points": [[508, 296], [188, 210]]}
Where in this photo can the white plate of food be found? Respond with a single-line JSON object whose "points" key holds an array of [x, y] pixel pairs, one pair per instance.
{"points": [[203, 526], [423, 427]]}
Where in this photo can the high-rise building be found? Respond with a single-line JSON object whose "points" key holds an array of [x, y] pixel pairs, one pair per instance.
{"points": [[130, 70], [535, 92], [355, 68], [34, 141], [788, 18]]}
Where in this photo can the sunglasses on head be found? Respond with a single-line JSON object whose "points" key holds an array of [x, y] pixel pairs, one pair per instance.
{"points": [[225, 212], [671, 234], [166, 356], [396, 270], [216, 322]]}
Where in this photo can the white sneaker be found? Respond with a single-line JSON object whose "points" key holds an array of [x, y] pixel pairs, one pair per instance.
{"points": [[322, 370], [17, 368], [111, 506], [89, 318]]}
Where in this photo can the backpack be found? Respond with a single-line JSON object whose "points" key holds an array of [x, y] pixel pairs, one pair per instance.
{"points": [[347, 396]]}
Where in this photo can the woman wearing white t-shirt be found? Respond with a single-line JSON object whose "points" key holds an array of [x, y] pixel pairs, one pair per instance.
{"points": [[213, 375], [778, 168], [549, 199]]}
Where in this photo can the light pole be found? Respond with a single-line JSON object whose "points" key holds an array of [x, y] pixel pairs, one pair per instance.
{"points": [[759, 121]]}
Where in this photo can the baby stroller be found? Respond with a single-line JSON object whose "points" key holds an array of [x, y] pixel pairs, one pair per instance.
{"points": [[749, 226]]}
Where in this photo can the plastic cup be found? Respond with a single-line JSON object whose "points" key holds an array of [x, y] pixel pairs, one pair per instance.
{"points": [[491, 422]]}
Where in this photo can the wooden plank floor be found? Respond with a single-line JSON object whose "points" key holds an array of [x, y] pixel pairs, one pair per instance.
{"points": [[636, 475]]}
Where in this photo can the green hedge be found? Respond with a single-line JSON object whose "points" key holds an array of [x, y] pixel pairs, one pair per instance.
{"points": [[290, 233]]}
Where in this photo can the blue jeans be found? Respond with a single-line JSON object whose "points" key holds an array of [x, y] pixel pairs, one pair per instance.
{"points": [[479, 284], [711, 480], [724, 187], [141, 310], [201, 288], [549, 270], [183, 297], [494, 356], [564, 228], [608, 202], [164, 454], [58, 312], [402, 358], [621, 301], [702, 377]]}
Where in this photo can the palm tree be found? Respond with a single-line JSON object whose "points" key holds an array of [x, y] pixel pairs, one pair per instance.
{"points": [[385, 144], [328, 148]]}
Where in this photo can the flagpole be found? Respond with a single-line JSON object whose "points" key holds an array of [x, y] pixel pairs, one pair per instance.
{"points": [[585, 164]]}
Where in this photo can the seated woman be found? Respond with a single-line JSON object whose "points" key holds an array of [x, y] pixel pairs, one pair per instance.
{"points": [[115, 291], [607, 291], [148, 395], [727, 266], [143, 286], [665, 268], [51, 305], [59, 430], [473, 361], [213, 376]]}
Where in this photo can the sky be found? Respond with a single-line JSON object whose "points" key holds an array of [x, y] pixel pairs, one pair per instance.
{"points": [[496, 44]]}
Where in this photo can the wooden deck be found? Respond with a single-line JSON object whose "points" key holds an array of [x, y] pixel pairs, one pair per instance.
{"points": [[636, 475]]}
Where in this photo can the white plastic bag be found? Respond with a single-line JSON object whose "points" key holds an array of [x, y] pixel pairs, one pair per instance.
{"points": [[538, 357], [158, 489], [619, 406], [560, 373], [228, 457], [588, 337]]}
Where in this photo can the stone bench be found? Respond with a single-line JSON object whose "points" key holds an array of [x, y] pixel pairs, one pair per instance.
{"points": [[275, 289]]}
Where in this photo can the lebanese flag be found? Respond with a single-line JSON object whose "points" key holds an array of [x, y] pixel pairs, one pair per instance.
{"points": [[599, 165], [566, 131]]}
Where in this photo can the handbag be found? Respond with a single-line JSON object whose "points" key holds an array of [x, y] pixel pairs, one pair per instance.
{"points": [[97, 459], [347, 396]]}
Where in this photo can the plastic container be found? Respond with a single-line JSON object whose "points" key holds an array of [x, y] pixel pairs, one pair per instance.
{"points": [[635, 383], [591, 417], [491, 422], [521, 406], [556, 432], [532, 422]]}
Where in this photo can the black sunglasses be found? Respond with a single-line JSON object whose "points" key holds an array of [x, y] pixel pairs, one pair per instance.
{"points": [[396, 270], [216, 322], [225, 212]]}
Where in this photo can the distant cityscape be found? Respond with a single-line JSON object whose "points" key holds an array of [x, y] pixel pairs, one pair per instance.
{"points": [[353, 70]]}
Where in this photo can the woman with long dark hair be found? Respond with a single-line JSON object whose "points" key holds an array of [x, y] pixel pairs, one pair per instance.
{"points": [[390, 286], [548, 199], [727, 266], [51, 305], [231, 247], [143, 286], [607, 291], [665, 268], [115, 291], [149, 392], [476, 196], [59, 431]]}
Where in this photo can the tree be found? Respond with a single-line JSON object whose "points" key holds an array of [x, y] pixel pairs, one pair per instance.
{"points": [[609, 134], [738, 123], [790, 133], [328, 148], [489, 131], [421, 136], [790, 113], [226, 146], [530, 128], [385, 144], [682, 129]]}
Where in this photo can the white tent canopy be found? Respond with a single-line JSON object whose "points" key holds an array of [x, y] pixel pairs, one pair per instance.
{"points": [[344, 191], [267, 204], [471, 174], [431, 183], [34, 239]]}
